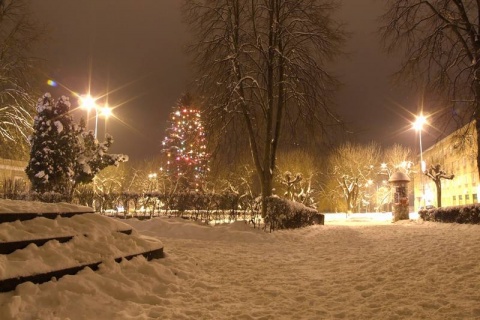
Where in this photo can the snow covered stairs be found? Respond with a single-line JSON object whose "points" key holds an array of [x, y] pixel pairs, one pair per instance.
{"points": [[40, 241]]}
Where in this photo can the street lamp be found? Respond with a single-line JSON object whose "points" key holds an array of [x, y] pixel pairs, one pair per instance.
{"points": [[89, 103], [420, 120], [106, 112]]}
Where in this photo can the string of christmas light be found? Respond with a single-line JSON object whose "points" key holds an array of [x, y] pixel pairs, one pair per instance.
{"points": [[185, 147]]}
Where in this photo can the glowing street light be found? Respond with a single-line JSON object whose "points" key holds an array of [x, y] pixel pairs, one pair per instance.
{"points": [[420, 120], [88, 102], [153, 181], [418, 126], [152, 176], [106, 112]]}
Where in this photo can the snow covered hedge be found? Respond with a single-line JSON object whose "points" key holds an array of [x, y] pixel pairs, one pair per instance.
{"points": [[459, 214], [48, 197], [286, 214]]}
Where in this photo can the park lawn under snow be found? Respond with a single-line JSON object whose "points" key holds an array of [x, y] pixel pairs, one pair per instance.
{"points": [[406, 270]]}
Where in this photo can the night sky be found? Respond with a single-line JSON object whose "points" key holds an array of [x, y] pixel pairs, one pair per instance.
{"points": [[134, 49]]}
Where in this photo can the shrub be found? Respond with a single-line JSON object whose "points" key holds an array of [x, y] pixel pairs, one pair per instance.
{"points": [[460, 214], [286, 214]]}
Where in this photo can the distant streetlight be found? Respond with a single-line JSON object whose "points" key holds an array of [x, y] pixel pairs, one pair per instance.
{"points": [[153, 179]]}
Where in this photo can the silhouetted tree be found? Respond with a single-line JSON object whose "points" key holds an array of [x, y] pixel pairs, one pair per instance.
{"points": [[440, 40], [262, 66]]}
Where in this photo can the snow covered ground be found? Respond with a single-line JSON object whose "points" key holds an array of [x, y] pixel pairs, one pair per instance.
{"points": [[349, 270]]}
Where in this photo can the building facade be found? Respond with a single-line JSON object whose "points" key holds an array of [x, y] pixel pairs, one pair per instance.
{"points": [[12, 169], [456, 155]]}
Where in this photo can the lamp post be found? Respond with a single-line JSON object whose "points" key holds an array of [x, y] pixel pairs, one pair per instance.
{"points": [[420, 120], [418, 126], [106, 112], [89, 103]]}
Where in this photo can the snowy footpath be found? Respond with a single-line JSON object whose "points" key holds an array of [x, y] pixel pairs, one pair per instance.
{"points": [[405, 270]]}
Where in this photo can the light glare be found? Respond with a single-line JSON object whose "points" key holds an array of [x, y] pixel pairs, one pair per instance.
{"points": [[419, 122]]}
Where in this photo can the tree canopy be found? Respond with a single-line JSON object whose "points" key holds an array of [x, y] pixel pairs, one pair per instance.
{"points": [[262, 68]]}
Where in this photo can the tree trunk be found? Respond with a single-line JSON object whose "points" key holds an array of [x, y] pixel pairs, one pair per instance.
{"points": [[477, 127], [266, 184], [438, 184]]}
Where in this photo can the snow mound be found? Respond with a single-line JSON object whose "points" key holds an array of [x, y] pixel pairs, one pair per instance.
{"points": [[187, 229]]}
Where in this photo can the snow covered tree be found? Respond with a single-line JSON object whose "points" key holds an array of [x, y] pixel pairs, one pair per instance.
{"points": [[298, 176], [354, 166], [397, 158], [91, 156], [52, 154], [184, 147], [262, 68], [63, 154]]}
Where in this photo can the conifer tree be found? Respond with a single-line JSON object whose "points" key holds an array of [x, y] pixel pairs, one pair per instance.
{"points": [[64, 154], [52, 155], [184, 147]]}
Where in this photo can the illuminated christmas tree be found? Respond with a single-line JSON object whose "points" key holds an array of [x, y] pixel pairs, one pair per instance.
{"points": [[184, 147]]}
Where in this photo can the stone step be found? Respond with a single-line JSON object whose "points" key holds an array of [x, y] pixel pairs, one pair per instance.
{"points": [[11, 283], [12, 246], [11, 217], [13, 210]]}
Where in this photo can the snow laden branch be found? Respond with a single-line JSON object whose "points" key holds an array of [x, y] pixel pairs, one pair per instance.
{"points": [[441, 46], [353, 167], [262, 69], [18, 34]]}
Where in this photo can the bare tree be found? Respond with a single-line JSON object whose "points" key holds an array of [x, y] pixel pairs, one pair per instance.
{"points": [[354, 168], [436, 173], [18, 33], [441, 43], [397, 158], [261, 66], [297, 176]]}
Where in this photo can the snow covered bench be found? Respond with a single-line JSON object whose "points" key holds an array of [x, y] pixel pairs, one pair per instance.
{"points": [[62, 239]]}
